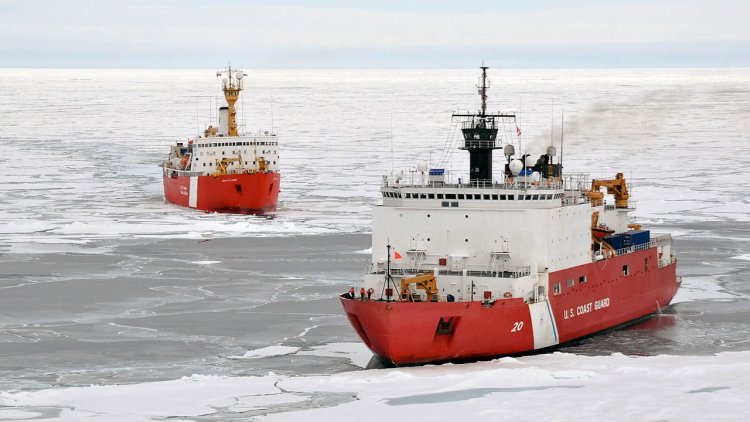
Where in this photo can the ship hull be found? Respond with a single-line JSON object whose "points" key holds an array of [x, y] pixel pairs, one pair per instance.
{"points": [[412, 332], [255, 193]]}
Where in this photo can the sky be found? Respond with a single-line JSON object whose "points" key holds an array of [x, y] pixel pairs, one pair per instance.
{"points": [[374, 33]]}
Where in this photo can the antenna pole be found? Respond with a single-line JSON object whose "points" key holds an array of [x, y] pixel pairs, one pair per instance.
{"points": [[391, 136], [483, 90], [388, 278], [552, 124], [562, 137]]}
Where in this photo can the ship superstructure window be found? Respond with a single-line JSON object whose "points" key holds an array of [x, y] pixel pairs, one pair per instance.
{"points": [[460, 196], [582, 279], [454, 204], [503, 197], [450, 196], [477, 196], [440, 196], [445, 204], [625, 270], [486, 197], [494, 197], [431, 196], [570, 283], [556, 289]]}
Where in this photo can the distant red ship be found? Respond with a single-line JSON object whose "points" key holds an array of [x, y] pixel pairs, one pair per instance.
{"points": [[485, 268], [223, 170]]}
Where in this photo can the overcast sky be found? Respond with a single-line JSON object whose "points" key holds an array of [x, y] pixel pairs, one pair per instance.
{"points": [[375, 34]]}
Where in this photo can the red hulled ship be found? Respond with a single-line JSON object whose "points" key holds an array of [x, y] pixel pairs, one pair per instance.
{"points": [[485, 268], [223, 170]]}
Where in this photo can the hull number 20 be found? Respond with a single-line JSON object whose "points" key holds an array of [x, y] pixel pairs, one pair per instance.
{"points": [[517, 326]]}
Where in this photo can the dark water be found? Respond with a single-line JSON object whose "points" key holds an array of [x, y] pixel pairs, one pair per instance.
{"points": [[101, 282], [697, 327], [146, 311]]}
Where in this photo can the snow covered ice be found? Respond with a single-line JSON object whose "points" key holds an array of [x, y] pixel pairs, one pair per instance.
{"points": [[117, 306]]}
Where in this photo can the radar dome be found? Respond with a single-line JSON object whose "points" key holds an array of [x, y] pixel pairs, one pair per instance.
{"points": [[238, 74], [224, 80], [422, 166], [515, 167], [535, 176], [530, 161], [509, 150], [551, 151]]}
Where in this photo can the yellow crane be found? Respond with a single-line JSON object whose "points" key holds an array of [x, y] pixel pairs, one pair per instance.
{"points": [[616, 187], [423, 281], [222, 166]]}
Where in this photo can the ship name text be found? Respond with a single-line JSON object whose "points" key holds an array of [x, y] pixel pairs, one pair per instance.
{"points": [[586, 308]]}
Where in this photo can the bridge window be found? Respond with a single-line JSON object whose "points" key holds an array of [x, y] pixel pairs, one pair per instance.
{"points": [[503, 197], [494, 197]]}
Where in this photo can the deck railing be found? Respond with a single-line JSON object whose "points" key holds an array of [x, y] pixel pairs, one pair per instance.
{"points": [[510, 272], [658, 240]]}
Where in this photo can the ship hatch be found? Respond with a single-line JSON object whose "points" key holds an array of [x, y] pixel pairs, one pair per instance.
{"points": [[445, 326]]}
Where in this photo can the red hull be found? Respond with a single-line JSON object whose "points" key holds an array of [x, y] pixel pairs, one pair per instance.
{"points": [[255, 193], [407, 332]]}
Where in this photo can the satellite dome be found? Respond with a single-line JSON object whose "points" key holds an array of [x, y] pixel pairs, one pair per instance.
{"points": [[515, 167], [551, 151], [535, 176], [238, 74], [422, 166], [509, 150], [530, 161]]}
